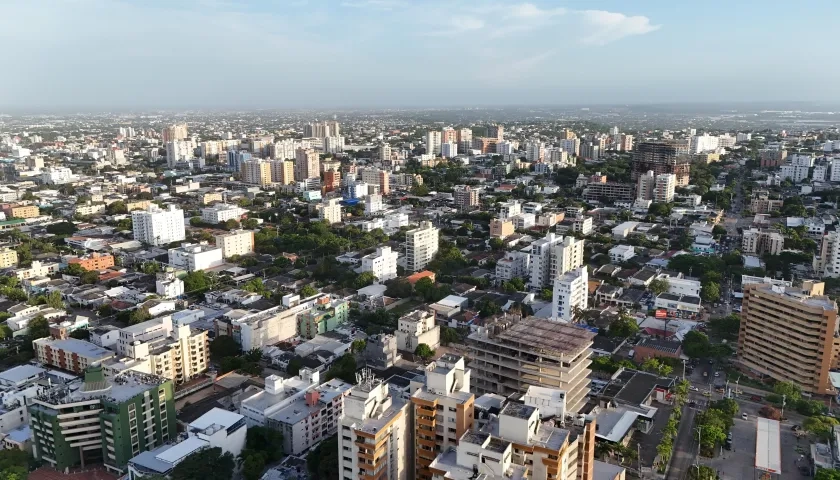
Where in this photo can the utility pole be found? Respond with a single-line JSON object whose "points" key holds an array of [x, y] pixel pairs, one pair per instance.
{"points": [[683, 369], [784, 402]]}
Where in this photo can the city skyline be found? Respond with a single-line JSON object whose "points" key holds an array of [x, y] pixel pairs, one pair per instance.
{"points": [[94, 54]]}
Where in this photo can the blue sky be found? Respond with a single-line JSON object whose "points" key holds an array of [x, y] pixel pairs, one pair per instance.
{"points": [[346, 53]]}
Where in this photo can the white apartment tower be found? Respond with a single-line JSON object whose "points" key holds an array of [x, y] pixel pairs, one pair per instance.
{"points": [[382, 263], [570, 293], [421, 245], [553, 256], [448, 149], [645, 185], [156, 226], [330, 210], [433, 142], [663, 191], [373, 204], [256, 172]]}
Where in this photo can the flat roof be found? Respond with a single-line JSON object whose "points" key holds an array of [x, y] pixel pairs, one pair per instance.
{"points": [[768, 448], [217, 416], [540, 335], [21, 373]]}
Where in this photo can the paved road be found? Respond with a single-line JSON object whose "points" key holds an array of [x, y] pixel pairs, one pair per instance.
{"points": [[684, 447]]}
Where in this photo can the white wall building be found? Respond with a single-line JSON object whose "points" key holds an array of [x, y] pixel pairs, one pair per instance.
{"points": [[553, 256], [178, 151], [57, 176], [421, 245], [794, 173], [835, 170], [513, 265], [222, 212], [449, 150], [373, 204], [382, 263], [156, 226], [330, 210], [415, 328], [622, 253], [570, 292], [433, 142], [194, 257], [167, 285], [236, 242], [663, 191]]}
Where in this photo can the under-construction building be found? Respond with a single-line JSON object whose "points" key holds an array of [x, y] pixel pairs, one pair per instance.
{"points": [[661, 157]]}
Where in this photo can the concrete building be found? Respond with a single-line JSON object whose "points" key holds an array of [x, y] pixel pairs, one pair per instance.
{"points": [[69, 353], [759, 242], [375, 435], [609, 191], [256, 172], [373, 204], [553, 256], [510, 356], [415, 328], [167, 285], [194, 257], [466, 198], [448, 149], [178, 151], [382, 263], [282, 171], [761, 203], [582, 225], [236, 242], [645, 185], [790, 334], [325, 316], [501, 228], [571, 292], [661, 157], [37, 269], [8, 257], [442, 410], [663, 191], [622, 253], [94, 261], [330, 210], [156, 226], [20, 211], [513, 265], [307, 164], [421, 245], [433, 141], [222, 212], [104, 420]]}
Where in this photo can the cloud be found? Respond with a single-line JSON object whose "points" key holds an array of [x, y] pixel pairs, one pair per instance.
{"points": [[457, 25], [385, 5], [606, 27], [529, 10]]}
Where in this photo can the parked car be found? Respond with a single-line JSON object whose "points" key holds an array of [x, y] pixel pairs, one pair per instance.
{"points": [[744, 416], [755, 398]]}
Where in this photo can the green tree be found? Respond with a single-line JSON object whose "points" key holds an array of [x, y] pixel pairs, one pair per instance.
{"points": [[322, 461], [623, 326], [424, 287], [150, 268], [54, 300], [827, 474], [116, 208], [197, 282], [74, 269], [196, 222], [294, 366], [207, 464], [424, 351], [308, 291], [224, 346], [727, 406], [89, 277], [14, 464], [81, 334], [39, 327], [253, 466], [819, 426], [654, 365], [449, 335], [231, 224], [399, 288], [659, 286], [250, 223], [696, 344], [710, 292], [5, 331], [790, 390], [496, 243], [358, 345], [344, 368], [363, 280], [702, 472], [265, 441], [63, 228], [139, 315]]}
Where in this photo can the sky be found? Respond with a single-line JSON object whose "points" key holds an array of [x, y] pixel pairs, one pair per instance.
{"points": [[100, 54]]}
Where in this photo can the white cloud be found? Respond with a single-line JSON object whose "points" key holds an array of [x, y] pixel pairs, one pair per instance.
{"points": [[375, 4], [606, 27], [529, 10], [457, 25]]}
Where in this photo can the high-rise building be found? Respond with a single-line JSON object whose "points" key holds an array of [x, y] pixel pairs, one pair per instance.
{"points": [[590, 151], [282, 150], [282, 171], [553, 256], [790, 334], [235, 159], [321, 129], [571, 292], [174, 132], [257, 172], [382, 263], [664, 190], [332, 180], [505, 355], [374, 440], [465, 138], [104, 420], [384, 152], [759, 242], [534, 151], [330, 210], [661, 157], [178, 151], [307, 164], [433, 142], [376, 176], [496, 131], [333, 144], [421, 245], [442, 410], [645, 185], [626, 144], [827, 262], [448, 149], [466, 198], [373, 204], [156, 226], [571, 146], [448, 135], [236, 242]]}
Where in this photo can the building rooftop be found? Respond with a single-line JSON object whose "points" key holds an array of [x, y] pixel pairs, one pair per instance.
{"points": [[20, 374], [633, 387], [518, 410], [217, 416], [540, 336], [81, 348]]}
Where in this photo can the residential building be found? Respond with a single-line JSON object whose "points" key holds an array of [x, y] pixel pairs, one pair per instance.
{"points": [[448, 135], [448, 149], [513, 265], [433, 141], [790, 334], [609, 192], [236, 242], [645, 185], [421, 245], [174, 132], [626, 143], [496, 131], [156, 226], [257, 172], [235, 159], [382, 263], [334, 144], [835, 170], [324, 317], [465, 138], [500, 228], [582, 225], [571, 294], [590, 151], [772, 157], [8, 257], [282, 171], [415, 328], [107, 420], [442, 409], [57, 176], [664, 189], [622, 253], [516, 443], [178, 151], [466, 198], [510, 209], [195, 257], [376, 176], [330, 210], [222, 212], [373, 204], [511, 355], [69, 353], [661, 157], [307, 164], [167, 285], [759, 242], [761, 203], [534, 151], [180, 356], [794, 173], [37, 269], [375, 435], [94, 261], [570, 145], [20, 211], [553, 256]]}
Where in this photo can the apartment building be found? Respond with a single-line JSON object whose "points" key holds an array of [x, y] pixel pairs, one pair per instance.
{"points": [[256, 172], [194, 257], [518, 444], [8, 257], [663, 191], [513, 265], [282, 171], [608, 191], [466, 198], [236, 242], [501, 228], [69, 353], [552, 256], [571, 293], [20, 211], [373, 204], [442, 410], [156, 226], [307, 164], [374, 440], [211, 197], [582, 225], [415, 328], [421, 245], [94, 262], [222, 212], [325, 316], [103, 420], [178, 354], [762, 203], [759, 242], [382, 263], [376, 176], [661, 157], [511, 355], [790, 334], [330, 210]]}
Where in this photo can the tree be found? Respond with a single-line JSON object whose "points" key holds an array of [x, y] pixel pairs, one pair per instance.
{"points": [[265, 441], [358, 345], [623, 326], [308, 291], [344, 368], [5, 331], [424, 351], [424, 287], [696, 344], [769, 412], [250, 223], [488, 308], [139, 315], [702, 472], [75, 270], [39, 327], [54, 300], [819, 426], [14, 464], [727, 406], [253, 466], [790, 390], [656, 366], [224, 346], [115, 208], [63, 228], [827, 474], [497, 243], [710, 292], [89, 277], [399, 288], [659, 286], [810, 408], [363, 280], [150, 268], [449, 335], [231, 224], [322, 461], [196, 221], [197, 282], [81, 334], [294, 366], [207, 464]]}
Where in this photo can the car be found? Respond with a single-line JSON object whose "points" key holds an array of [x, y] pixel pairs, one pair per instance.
{"points": [[707, 394], [717, 374], [711, 361], [693, 388], [795, 428], [692, 403], [755, 398], [744, 416]]}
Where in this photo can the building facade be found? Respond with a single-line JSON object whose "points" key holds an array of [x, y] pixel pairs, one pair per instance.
{"points": [[156, 226], [421, 245]]}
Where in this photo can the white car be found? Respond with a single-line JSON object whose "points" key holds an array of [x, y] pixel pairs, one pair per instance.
{"points": [[744, 416], [693, 388], [717, 374]]}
